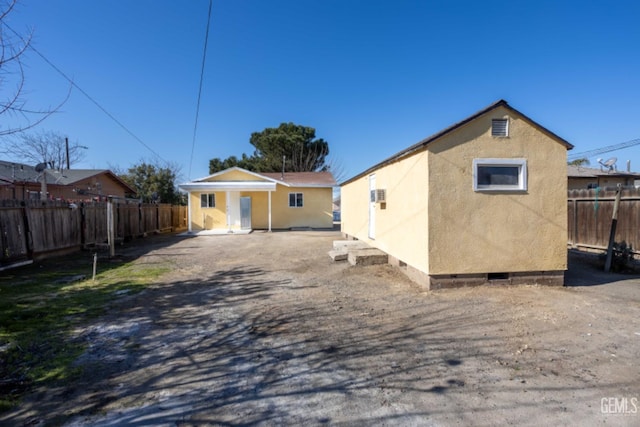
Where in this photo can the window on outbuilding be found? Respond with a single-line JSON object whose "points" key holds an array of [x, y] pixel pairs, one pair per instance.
{"points": [[499, 174], [500, 127], [207, 200], [295, 200]]}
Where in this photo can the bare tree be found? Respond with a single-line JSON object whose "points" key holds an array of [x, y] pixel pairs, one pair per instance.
{"points": [[44, 147], [12, 78], [337, 169]]}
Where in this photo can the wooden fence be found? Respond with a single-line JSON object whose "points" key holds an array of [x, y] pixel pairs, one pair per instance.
{"points": [[590, 213], [30, 229]]}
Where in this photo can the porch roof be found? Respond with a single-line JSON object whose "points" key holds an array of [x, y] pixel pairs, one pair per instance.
{"points": [[229, 186]]}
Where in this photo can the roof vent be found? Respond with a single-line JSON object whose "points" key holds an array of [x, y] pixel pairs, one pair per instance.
{"points": [[499, 127]]}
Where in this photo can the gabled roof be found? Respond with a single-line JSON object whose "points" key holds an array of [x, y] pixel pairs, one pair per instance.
{"points": [[17, 172], [585, 172], [71, 176], [421, 144], [289, 179]]}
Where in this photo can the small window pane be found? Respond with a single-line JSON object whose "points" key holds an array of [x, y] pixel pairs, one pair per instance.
{"points": [[498, 175], [207, 200], [295, 200]]}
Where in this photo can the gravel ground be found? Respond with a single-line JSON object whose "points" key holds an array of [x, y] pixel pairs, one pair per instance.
{"points": [[263, 329]]}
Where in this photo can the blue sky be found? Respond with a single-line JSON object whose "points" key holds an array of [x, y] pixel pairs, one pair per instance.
{"points": [[372, 77]]}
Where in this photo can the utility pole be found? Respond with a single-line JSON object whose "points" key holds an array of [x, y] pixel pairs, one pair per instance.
{"points": [[66, 143]]}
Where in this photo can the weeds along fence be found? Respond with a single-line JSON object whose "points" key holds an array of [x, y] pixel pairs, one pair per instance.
{"points": [[589, 218], [32, 229]]}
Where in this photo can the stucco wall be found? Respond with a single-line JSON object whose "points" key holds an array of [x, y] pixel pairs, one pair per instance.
{"points": [[484, 232], [208, 218], [401, 224], [315, 213]]}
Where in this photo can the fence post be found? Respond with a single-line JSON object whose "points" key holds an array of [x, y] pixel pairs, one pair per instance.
{"points": [[27, 229], [83, 225], [110, 227], [612, 233]]}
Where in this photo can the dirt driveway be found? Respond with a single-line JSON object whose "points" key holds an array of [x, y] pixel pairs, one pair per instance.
{"points": [[264, 329]]}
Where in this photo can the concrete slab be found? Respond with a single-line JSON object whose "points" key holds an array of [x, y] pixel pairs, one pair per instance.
{"points": [[369, 256], [215, 232], [338, 255]]}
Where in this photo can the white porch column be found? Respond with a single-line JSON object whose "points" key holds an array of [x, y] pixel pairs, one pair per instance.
{"points": [[269, 210], [189, 208], [228, 210]]}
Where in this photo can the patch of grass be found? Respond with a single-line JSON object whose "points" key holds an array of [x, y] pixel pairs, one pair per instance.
{"points": [[39, 309]]}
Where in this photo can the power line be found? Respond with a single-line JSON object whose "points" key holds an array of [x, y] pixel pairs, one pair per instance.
{"points": [[204, 57], [89, 97], [607, 149]]}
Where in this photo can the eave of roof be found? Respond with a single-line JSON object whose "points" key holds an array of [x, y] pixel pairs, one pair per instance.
{"points": [[422, 144], [291, 179]]}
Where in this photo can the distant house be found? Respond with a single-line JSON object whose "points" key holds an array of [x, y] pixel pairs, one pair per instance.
{"points": [[237, 199], [580, 177], [482, 201], [23, 182]]}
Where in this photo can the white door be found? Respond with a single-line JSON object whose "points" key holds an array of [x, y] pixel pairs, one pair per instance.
{"points": [[245, 213], [372, 206], [233, 209]]}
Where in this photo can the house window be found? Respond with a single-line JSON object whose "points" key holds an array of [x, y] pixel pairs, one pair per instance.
{"points": [[499, 127], [295, 200], [499, 174], [207, 200]]}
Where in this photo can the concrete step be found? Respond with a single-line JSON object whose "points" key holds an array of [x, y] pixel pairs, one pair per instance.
{"points": [[338, 255], [369, 256], [346, 245]]}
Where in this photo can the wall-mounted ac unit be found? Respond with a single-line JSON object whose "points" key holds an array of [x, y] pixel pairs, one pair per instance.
{"points": [[381, 195]]}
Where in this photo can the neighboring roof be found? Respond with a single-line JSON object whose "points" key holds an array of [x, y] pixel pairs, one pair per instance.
{"points": [[289, 179], [71, 176], [428, 140], [585, 172], [18, 172]]}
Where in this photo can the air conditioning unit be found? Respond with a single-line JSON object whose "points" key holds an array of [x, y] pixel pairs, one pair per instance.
{"points": [[381, 195]]}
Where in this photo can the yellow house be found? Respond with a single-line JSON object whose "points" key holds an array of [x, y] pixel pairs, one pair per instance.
{"points": [[238, 200], [484, 200]]}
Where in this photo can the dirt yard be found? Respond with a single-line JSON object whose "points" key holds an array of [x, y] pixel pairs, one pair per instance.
{"points": [[264, 329]]}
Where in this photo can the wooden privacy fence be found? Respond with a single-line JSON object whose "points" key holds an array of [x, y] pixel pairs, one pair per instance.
{"points": [[29, 229], [590, 214]]}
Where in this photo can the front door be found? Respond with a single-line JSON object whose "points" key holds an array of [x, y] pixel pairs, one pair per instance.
{"points": [[245, 213], [372, 206]]}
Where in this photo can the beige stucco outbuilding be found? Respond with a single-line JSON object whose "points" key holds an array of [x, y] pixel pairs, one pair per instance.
{"points": [[484, 200], [238, 200]]}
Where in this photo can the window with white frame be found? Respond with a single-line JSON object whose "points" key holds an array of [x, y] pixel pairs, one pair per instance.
{"points": [[295, 200], [500, 127], [500, 175], [207, 200]]}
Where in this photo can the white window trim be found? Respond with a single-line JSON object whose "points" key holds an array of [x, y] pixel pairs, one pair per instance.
{"points": [[296, 199], [522, 175], [506, 128], [208, 206]]}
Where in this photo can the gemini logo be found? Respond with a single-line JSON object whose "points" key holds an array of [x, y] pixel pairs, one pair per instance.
{"points": [[619, 405]]}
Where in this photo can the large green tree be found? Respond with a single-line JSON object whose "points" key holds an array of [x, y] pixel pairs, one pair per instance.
{"points": [[153, 183], [294, 145]]}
